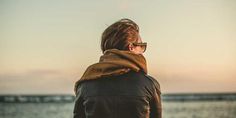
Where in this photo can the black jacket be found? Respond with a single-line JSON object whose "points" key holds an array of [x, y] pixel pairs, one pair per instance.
{"points": [[131, 95]]}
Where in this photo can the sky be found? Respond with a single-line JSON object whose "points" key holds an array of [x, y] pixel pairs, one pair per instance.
{"points": [[45, 46]]}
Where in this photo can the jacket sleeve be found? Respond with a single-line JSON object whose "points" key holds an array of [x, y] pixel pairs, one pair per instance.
{"points": [[156, 102], [79, 111]]}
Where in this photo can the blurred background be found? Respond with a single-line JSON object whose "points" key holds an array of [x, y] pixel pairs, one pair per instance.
{"points": [[45, 47]]}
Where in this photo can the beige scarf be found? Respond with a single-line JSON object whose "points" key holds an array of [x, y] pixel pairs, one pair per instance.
{"points": [[114, 62]]}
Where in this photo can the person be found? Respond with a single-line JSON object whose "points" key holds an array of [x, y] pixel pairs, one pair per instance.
{"points": [[118, 86]]}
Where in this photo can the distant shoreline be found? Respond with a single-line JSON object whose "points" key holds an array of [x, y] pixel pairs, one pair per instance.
{"points": [[63, 98], [199, 97]]}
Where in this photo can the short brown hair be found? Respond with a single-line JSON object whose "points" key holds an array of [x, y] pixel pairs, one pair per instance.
{"points": [[119, 34]]}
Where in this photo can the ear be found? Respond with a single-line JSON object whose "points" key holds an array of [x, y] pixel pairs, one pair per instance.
{"points": [[130, 47]]}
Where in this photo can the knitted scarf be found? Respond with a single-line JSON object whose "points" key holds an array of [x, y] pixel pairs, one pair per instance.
{"points": [[114, 62]]}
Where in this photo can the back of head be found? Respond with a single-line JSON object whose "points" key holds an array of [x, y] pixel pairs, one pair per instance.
{"points": [[119, 35]]}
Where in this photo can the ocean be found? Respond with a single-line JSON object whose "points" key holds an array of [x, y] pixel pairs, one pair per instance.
{"points": [[181, 106]]}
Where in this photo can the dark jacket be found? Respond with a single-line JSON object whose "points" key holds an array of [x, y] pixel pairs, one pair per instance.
{"points": [[131, 95]]}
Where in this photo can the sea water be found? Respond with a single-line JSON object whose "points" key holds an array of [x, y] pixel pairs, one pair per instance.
{"points": [[171, 109]]}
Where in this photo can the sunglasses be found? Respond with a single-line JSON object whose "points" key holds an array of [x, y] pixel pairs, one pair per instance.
{"points": [[143, 45]]}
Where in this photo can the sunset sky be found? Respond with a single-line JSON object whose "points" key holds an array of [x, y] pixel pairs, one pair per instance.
{"points": [[46, 45]]}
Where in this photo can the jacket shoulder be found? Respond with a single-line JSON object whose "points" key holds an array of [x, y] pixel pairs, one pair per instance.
{"points": [[154, 82]]}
